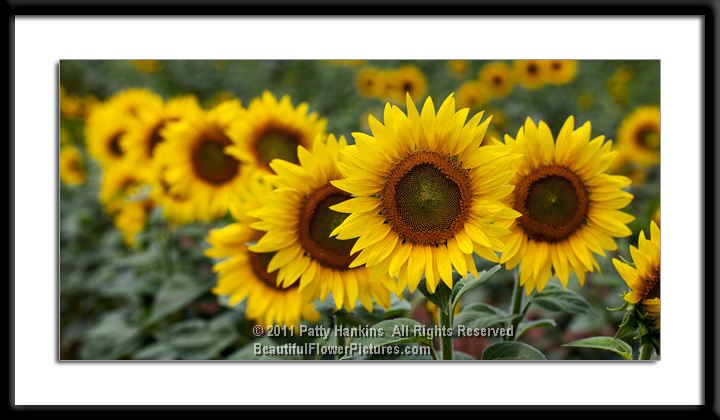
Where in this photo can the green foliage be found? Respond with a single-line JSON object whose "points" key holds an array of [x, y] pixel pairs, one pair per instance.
{"points": [[558, 299], [512, 350], [605, 343]]}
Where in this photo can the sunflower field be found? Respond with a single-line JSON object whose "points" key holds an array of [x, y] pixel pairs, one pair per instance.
{"points": [[359, 210]]}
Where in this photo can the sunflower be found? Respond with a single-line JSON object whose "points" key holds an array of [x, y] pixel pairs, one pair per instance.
{"points": [[176, 208], [497, 78], [426, 196], [458, 67], [146, 66], [131, 218], [195, 159], [131, 101], [272, 129], [105, 128], [569, 204], [639, 136], [144, 133], [406, 80], [560, 72], [371, 82], [644, 278], [121, 183], [243, 274], [532, 74], [72, 167], [298, 221], [471, 94]]}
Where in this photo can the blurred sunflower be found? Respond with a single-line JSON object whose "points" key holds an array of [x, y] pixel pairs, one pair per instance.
{"points": [[120, 183], [639, 136], [131, 218], [404, 80], [145, 131], [532, 74], [197, 165], [569, 204], [146, 66], [371, 82], [560, 72], [272, 129], [131, 101], [243, 274], [497, 78], [458, 67], [176, 208], [305, 254], [72, 166], [644, 278], [471, 94], [426, 196], [105, 128]]}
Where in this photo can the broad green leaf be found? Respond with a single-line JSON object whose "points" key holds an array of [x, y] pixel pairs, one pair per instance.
{"points": [[605, 343], [394, 331], [627, 327], [538, 323], [178, 291], [114, 337], [196, 339], [468, 283], [512, 350], [558, 299], [480, 315]]}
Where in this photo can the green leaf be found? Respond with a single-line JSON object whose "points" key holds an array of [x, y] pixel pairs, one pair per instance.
{"points": [[557, 299], [195, 339], [468, 283], [605, 343], [538, 323], [394, 331], [627, 327], [178, 291], [512, 350], [480, 315]]}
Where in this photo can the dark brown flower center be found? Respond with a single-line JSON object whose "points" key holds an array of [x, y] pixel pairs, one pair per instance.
{"points": [[553, 202], [210, 162], [259, 263], [497, 80], [555, 65], [652, 284], [532, 69], [648, 137], [426, 198], [317, 221], [154, 138], [277, 143], [114, 144]]}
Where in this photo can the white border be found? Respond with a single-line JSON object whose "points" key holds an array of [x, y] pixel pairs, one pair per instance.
{"points": [[41, 42]]}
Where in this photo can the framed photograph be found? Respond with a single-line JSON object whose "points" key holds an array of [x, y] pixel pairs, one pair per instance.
{"points": [[386, 200]]}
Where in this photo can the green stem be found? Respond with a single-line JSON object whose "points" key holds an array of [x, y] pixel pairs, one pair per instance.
{"points": [[646, 349], [445, 339], [516, 305]]}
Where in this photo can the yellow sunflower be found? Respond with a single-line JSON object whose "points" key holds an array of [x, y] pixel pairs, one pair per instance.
{"points": [[131, 101], [532, 74], [197, 165], [145, 131], [639, 136], [72, 167], [497, 78], [569, 204], [298, 221], [426, 196], [407, 79], [131, 218], [644, 278], [105, 128], [243, 274], [371, 82], [560, 72], [458, 67], [120, 183], [176, 208], [471, 94], [272, 129]]}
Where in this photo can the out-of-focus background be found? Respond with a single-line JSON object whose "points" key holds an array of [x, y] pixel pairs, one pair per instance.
{"points": [[151, 299]]}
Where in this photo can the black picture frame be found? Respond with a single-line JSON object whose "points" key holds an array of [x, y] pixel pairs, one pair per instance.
{"points": [[326, 8]]}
